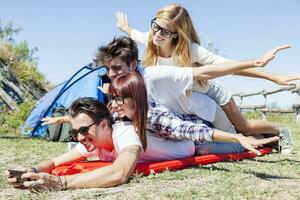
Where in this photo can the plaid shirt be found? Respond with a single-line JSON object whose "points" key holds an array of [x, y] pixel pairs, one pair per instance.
{"points": [[163, 123]]}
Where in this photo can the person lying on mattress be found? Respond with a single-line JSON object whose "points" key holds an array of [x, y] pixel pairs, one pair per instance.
{"points": [[124, 142]]}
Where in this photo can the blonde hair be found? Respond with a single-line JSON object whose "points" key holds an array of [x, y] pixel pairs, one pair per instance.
{"points": [[181, 20]]}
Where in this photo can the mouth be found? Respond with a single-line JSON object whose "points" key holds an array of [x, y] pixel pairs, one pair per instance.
{"points": [[120, 112], [158, 39]]}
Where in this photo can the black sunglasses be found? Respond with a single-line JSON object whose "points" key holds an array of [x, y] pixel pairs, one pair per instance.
{"points": [[164, 32], [84, 130]]}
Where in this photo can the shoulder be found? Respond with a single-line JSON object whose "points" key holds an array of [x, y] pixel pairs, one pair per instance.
{"points": [[122, 127], [124, 135]]}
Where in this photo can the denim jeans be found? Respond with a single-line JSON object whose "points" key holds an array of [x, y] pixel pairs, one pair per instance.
{"points": [[204, 148]]}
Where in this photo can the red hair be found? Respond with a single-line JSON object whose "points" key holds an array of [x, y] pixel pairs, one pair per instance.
{"points": [[131, 84]]}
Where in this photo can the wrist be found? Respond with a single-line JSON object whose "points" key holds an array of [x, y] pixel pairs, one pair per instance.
{"points": [[61, 120], [34, 169], [273, 78], [127, 29], [64, 183]]}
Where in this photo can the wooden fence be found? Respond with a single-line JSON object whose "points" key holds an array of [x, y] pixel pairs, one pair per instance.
{"points": [[264, 108]]}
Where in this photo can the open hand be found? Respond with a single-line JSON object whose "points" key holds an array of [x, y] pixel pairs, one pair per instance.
{"points": [[250, 143], [287, 80], [51, 120], [43, 181], [122, 22], [270, 55], [15, 181]]}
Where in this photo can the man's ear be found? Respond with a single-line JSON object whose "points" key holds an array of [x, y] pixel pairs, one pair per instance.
{"points": [[103, 124], [133, 66]]}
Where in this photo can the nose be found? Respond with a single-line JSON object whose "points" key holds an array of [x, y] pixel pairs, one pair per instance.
{"points": [[158, 34], [114, 104], [80, 137], [112, 74]]}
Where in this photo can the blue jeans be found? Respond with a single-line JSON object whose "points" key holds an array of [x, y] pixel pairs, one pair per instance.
{"points": [[205, 148]]}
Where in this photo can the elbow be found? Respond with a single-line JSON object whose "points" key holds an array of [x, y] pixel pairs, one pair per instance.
{"points": [[121, 177]]}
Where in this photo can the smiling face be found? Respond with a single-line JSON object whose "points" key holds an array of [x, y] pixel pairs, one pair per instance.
{"points": [[159, 26], [98, 136], [124, 107], [116, 67]]}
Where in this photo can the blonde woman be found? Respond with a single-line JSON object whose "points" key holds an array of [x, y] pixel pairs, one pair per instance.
{"points": [[172, 40]]}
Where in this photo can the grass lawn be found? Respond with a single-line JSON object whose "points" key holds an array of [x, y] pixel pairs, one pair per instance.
{"points": [[273, 176]]}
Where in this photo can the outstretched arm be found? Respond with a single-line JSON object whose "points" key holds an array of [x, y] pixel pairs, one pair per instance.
{"points": [[248, 143], [55, 120], [163, 122], [207, 72], [111, 175], [280, 79]]}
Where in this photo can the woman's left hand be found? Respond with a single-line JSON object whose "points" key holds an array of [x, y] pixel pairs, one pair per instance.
{"points": [[250, 143], [43, 181], [270, 55], [286, 80]]}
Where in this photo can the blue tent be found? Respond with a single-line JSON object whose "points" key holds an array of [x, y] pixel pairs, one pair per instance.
{"points": [[84, 83]]}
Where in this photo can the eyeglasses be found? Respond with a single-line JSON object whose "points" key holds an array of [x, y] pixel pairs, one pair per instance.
{"points": [[164, 32], [118, 100], [84, 130]]}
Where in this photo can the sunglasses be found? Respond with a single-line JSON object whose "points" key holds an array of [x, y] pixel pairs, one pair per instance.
{"points": [[164, 32], [84, 130]]}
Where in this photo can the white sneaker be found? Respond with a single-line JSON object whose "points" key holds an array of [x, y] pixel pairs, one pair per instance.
{"points": [[285, 141]]}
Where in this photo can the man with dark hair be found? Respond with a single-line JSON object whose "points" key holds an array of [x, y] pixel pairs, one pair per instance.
{"points": [[99, 136]]}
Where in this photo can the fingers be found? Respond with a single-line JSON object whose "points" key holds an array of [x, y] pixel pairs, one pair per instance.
{"points": [[6, 173], [102, 89], [12, 180], [279, 48], [31, 183], [267, 140], [32, 176], [289, 83], [251, 148], [46, 121]]}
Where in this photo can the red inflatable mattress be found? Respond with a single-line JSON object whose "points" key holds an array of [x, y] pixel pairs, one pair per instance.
{"points": [[147, 168]]}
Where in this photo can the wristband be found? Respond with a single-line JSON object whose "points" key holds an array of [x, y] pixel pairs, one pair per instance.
{"points": [[35, 170]]}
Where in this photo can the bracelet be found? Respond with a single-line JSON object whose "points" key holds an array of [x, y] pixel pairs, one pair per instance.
{"points": [[62, 185], [35, 170]]}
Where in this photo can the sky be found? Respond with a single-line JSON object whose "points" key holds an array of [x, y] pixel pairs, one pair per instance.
{"points": [[68, 33]]}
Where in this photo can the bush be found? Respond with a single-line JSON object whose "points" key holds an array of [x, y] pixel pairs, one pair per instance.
{"points": [[11, 120]]}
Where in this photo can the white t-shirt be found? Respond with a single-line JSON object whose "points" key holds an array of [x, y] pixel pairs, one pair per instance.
{"points": [[158, 149], [198, 55], [167, 85]]}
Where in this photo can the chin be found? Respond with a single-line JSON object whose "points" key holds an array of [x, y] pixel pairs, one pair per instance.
{"points": [[90, 148], [121, 114]]}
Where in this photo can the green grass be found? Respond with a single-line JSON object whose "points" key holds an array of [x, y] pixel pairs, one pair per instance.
{"points": [[273, 176]]}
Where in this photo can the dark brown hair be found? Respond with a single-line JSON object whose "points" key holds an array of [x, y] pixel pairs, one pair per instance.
{"points": [[122, 47], [93, 108], [131, 84]]}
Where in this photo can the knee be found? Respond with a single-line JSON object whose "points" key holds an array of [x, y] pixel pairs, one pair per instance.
{"points": [[245, 127]]}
